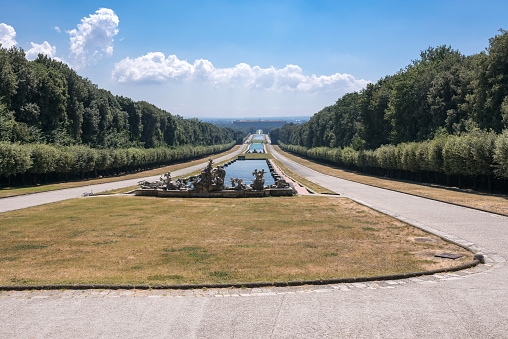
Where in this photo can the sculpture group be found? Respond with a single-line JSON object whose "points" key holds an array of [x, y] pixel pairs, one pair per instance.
{"points": [[211, 180]]}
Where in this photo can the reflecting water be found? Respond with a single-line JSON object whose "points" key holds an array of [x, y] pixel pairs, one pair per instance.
{"points": [[258, 147], [243, 169]]}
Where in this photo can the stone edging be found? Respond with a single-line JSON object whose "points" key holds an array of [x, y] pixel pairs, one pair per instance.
{"points": [[237, 285]]}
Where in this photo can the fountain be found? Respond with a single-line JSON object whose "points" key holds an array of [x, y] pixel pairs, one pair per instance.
{"points": [[211, 184]]}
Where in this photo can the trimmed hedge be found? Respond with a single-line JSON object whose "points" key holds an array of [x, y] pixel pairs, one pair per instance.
{"points": [[474, 154], [36, 159]]}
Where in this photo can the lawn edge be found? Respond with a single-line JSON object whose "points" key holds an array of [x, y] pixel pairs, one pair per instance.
{"points": [[397, 276]]}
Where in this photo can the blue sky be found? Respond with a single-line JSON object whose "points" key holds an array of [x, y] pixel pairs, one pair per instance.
{"points": [[244, 58]]}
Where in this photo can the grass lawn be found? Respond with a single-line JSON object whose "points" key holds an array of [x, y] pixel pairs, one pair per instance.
{"points": [[497, 203], [145, 240]]}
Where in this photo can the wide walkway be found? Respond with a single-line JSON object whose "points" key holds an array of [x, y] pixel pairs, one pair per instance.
{"points": [[467, 304]]}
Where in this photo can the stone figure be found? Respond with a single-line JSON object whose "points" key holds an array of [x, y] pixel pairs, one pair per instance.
{"points": [[281, 183], [258, 183], [212, 179], [150, 185], [237, 184], [166, 179], [218, 175]]}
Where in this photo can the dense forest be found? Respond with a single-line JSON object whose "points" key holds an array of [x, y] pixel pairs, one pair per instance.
{"points": [[444, 113], [48, 111]]}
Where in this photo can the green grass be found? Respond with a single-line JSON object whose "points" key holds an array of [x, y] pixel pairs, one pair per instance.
{"points": [[145, 240], [250, 156]]}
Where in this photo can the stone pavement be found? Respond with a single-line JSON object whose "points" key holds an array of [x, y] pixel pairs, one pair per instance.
{"points": [[467, 304]]}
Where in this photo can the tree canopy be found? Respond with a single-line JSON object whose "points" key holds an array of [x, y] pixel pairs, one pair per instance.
{"points": [[45, 101], [441, 92]]}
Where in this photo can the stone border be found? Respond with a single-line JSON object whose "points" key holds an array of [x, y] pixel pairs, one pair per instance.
{"points": [[238, 285]]}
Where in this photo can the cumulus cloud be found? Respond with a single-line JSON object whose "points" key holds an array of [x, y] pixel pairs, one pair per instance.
{"points": [[94, 36], [7, 35], [155, 67], [44, 48]]}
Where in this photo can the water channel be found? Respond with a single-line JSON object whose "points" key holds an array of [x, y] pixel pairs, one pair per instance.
{"points": [[242, 169], [258, 137], [256, 147]]}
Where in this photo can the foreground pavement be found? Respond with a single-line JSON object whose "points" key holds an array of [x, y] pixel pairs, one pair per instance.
{"points": [[467, 304]]}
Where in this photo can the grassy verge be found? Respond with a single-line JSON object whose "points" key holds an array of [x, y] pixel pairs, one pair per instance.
{"points": [[122, 190], [249, 156], [9, 192], [144, 240], [489, 202], [307, 183]]}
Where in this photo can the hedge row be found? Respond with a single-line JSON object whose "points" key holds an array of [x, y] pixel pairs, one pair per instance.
{"points": [[37, 159], [477, 153]]}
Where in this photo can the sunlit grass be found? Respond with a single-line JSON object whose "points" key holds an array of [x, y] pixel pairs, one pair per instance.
{"points": [[145, 240]]}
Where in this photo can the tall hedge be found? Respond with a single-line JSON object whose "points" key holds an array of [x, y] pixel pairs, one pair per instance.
{"points": [[80, 160], [475, 154]]}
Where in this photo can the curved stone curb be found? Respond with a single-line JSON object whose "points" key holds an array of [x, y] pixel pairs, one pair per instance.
{"points": [[239, 285], [479, 252]]}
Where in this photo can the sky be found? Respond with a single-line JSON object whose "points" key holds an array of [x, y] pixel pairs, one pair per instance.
{"points": [[234, 59]]}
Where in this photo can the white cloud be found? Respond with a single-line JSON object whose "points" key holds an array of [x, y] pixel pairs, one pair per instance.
{"points": [[44, 48], [155, 67], [93, 36], [7, 35], [58, 29]]}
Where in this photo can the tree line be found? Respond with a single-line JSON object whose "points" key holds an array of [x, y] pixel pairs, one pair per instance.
{"points": [[23, 164], [55, 124], [444, 96], [45, 101], [441, 92]]}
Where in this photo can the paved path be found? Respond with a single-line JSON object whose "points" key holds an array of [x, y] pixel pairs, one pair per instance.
{"points": [[467, 304]]}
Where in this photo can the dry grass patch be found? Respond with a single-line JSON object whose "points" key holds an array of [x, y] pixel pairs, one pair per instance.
{"points": [[144, 240], [497, 203]]}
